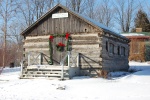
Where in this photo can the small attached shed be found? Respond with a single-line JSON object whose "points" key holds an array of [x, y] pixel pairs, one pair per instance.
{"points": [[79, 44], [138, 48]]}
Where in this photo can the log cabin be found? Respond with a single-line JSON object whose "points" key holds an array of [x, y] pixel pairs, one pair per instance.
{"points": [[63, 44]]}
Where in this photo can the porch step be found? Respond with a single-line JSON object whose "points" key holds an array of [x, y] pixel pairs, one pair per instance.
{"points": [[44, 75], [50, 78], [45, 71], [47, 67]]}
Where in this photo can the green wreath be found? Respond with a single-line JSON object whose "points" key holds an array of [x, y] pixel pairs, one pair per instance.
{"points": [[60, 46]]}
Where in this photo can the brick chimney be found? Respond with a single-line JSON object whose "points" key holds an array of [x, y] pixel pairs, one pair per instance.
{"points": [[138, 30]]}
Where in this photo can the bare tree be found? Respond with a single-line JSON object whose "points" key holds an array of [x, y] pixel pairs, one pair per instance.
{"points": [[39, 8], [89, 11], [76, 5], [7, 13], [50, 3], [31, 10], [27, 12], [58, 1], [124, 10], [104, 13], [16, 40]]}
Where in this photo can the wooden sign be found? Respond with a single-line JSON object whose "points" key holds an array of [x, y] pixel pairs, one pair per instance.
{"points": [[60, 15]]}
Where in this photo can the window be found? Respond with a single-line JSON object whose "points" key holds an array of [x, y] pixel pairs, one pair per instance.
{"points": [[111, 48], [123, 51], [119, 50], [106, 45]]}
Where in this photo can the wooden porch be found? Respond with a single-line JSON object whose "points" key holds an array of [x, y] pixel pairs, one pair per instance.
{"points": [[35, 68]]}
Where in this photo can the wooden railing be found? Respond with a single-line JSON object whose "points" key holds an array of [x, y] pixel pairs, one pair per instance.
{"points": [[72, 62], [35, 59]]}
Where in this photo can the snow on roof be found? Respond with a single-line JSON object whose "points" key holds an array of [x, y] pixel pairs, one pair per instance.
{"points": [[100, 25], [133, 34]]}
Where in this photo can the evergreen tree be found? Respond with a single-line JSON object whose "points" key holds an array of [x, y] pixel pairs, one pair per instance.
{"points": [[141, 21]]}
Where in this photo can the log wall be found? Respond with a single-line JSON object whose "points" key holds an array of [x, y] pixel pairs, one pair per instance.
{"points": [[37, 44], [114, 61], [89, 47]]}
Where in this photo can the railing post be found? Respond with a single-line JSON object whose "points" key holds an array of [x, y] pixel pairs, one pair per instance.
{"points": [[78, 59], [40, 58], [21, 63], [29, 58], [62, 71], [68, 58]]}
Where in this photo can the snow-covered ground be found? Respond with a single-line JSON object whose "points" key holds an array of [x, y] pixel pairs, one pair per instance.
{"points": [[120, 86]]}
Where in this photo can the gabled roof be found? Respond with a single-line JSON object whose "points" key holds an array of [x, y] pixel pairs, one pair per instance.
{"points": [[86, 19]]}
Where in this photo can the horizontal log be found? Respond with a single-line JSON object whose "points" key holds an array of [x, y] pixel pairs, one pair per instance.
{"points": [[84, 42], [92, 66], [86, 51], [85, 46], [37, 40], [37, 37], [90, 61], [44, 52], [73, 54], [36, 46], [36, 43], [95, 56], [45, 63], [85, 34], [37, 55], [89, 64], [92, 57], [113, 56], [115, 60], [36, 49], [84, 38], [86, 63]]}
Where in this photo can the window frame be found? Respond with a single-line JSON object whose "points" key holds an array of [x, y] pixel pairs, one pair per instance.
{"points": [[111, 48], [123, 50]]}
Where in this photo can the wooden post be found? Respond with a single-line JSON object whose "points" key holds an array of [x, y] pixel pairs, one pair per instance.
{"points": [[68, 58], [62, 71], [78, 59], [40, 58], [29, 58], [21, 63]]}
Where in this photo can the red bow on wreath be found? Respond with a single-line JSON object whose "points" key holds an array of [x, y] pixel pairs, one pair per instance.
{"points": [[61, 44], [67, 35], [51, 38]]}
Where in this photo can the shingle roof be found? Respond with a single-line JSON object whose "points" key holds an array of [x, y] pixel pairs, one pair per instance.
{"points": [[85, 18]]}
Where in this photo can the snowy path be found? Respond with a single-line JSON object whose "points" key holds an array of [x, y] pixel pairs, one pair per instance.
{"points": [[134, 86]]}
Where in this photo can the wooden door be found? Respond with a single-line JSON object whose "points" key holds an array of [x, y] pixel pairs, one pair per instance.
{"points": [[58, 55]]}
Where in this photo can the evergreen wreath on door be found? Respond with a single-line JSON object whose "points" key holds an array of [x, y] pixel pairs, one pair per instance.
{"points": [[60, 46]]}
